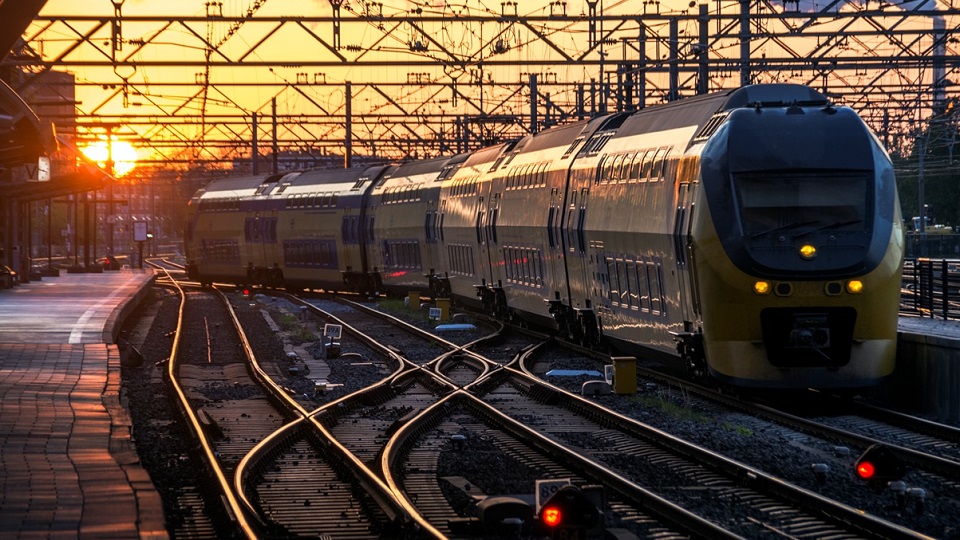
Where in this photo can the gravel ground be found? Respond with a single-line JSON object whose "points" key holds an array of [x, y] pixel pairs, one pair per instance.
{"points": [[770, 448], [161, 437]]}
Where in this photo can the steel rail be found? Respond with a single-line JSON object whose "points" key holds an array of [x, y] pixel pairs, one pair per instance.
{"points": [[233, 507]]}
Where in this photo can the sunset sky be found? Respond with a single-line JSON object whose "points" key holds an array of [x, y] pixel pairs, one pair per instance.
{"points": [[271, 59]]}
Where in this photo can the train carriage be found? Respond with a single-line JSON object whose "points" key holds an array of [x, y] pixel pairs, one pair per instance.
{"points": [[323, 233], [635, 226], [525, 225], [463, 204], [214, 232], [403, 210]]}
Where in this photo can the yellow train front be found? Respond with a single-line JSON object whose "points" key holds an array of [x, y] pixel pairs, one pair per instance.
{"points": [[795, 246]]}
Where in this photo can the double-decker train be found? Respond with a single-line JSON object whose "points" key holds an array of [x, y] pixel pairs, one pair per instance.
{"points": [[753, 234]]}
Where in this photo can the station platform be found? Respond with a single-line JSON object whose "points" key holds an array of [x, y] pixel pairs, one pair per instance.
{"points": [[68, 468], [928, 368]]}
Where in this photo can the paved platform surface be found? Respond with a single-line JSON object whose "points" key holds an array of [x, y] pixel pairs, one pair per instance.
{"points": [[67, 465]]}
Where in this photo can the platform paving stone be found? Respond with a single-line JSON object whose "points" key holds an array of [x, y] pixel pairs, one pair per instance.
{"points": [[68, 468]]}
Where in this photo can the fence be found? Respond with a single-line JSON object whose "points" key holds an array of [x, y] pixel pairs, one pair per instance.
{"points": [[931, 288], [935, 246]]}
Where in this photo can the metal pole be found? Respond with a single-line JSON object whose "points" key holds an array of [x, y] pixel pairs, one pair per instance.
{"points": [[922, 142], [348, 127], [703, 78], [276, 148], [674, 58], [110, 167], [642, 73], [744, 42], [255, 152], [86, 230], [533, 103], [50, 234]]}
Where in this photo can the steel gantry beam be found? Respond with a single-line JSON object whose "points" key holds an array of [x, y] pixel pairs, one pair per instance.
{"points": [[430, 80]]}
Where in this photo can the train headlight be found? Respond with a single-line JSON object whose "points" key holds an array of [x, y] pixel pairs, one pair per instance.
{"points": [[808, 252], [761, 287], [854, 286]]}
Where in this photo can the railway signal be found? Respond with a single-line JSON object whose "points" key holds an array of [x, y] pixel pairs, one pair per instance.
{"points": [[568, 514], [879, 466]]}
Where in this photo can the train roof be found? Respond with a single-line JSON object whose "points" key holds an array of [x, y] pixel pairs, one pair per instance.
{"points": [[328, 180], [697, 111], [558, 136], [232, 187], [415, 171], [291, 183]]}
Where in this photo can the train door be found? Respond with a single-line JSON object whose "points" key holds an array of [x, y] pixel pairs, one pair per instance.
{"points": [[495, 258], [578, 264], [483, 250], [681, 247], [554, 259]]}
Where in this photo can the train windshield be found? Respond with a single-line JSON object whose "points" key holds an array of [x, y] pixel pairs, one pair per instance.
{"points": [[798, 203]]}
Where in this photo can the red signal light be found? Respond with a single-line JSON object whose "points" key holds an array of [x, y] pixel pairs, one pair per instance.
{"points": [[551, 516], [866, 470], [246, 292]]}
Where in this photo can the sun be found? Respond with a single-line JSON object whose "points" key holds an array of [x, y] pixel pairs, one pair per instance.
{"points": [[124, 156]]}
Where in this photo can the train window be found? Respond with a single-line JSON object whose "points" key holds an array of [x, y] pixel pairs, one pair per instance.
{"points": [[611, 267], [776, 203], [613, 175], [656, 171], [572, 147], [656, 293], [609, 169], [624, 298], [631, 271], [531, 277], [303, 252], [539, 282], [598, 174], [271, 231], [643, 287], [647, 165]]}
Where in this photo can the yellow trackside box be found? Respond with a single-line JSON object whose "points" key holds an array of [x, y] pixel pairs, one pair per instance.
{"points": [[624, 374]]}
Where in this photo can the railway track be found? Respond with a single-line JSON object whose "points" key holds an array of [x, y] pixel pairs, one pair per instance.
{"points": [[797, 436], [258, 439], [405, 401], [376, 462]]}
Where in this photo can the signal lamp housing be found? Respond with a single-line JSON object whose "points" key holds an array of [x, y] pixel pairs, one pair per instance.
{"points": [[569, 509], [878, 465]]}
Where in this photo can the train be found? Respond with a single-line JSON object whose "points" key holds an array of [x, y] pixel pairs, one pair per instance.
{"points": [[751, 235]]}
